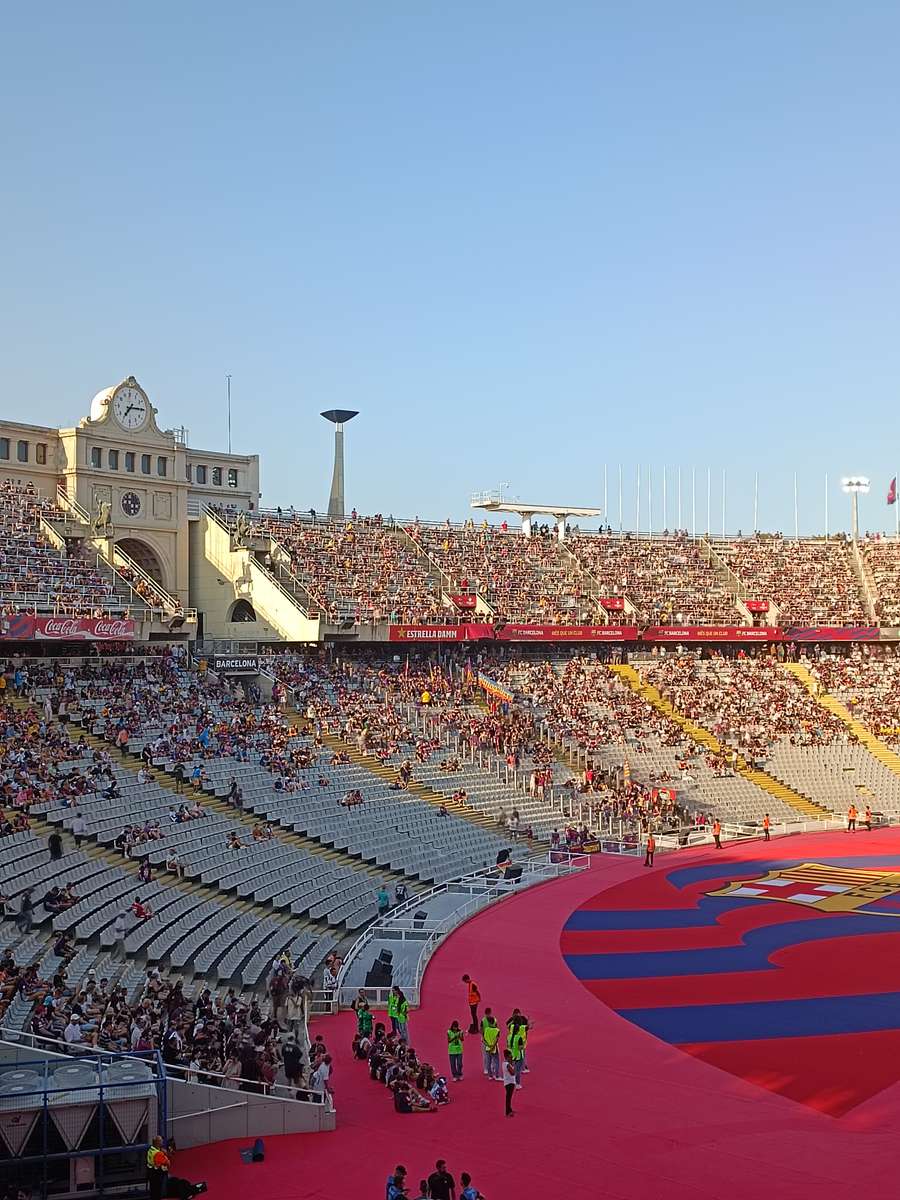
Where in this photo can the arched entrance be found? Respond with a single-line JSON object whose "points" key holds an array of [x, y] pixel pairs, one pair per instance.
{"points": [[242, 610], [145, 558]]}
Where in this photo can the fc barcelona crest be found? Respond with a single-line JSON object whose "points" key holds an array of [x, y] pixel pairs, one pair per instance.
{"points": [[824, 889]]}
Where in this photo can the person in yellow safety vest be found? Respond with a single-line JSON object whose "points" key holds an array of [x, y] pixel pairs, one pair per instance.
{"points": [[490, 1045], [766, 827], [868, 819], [392, 1003], [516, 1042], [158, 1164], [717, 833], [455, 1050]]}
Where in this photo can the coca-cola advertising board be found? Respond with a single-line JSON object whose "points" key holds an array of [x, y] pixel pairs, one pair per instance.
{"points": [[83, 629]]}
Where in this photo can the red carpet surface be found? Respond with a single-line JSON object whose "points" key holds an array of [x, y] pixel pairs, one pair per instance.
{"points": [[659, 1068]]}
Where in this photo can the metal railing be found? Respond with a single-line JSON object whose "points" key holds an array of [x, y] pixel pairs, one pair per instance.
{"points": [[486, 887]]}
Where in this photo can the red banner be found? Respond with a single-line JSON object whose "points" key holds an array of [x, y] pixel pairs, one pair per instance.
{"points": [[711, 633], [464, 600], [756, 605], [831, 633], [614, 604], [439, 633], [568, 633], [83, 629]]}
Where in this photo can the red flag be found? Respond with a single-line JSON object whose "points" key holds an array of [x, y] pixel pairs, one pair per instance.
{"points": [[892, 491]]}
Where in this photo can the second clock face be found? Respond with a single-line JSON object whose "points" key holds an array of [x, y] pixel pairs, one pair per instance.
{"points": [[130, 407], [131, 504]]}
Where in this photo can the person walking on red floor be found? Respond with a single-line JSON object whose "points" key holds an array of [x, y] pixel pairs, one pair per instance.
{"points": [[717, 833], [867, 821], [651, 847], [473, 1000], [509, 1080], [851, 819], [766, 835]]}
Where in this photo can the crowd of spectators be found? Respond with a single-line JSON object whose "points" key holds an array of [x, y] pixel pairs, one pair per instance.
{"points": [[747, 702], [361, 569], [867, 681], [882, 559], [527, 580], [35, 577], [812, 582], [666, 578], [225, 1040]]}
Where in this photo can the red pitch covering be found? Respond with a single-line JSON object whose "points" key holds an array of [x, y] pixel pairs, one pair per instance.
{"points": [[608, 1110]]}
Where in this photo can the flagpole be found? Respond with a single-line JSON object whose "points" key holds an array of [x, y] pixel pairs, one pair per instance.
{"points": [[649, 501], [796, 511], [826, 506], [708, 499], [620, 498], [756, 502], [665, 512], [693, 501], [604, 492], [637, 513], [896, 516], [679, 497], [724, 503]]}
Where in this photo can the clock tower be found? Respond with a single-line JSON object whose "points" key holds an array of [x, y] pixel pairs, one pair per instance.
{"points": [[119, 456]]}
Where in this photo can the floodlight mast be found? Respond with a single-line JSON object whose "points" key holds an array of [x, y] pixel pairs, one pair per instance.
{"points": [[338, 418], [855, 486]]}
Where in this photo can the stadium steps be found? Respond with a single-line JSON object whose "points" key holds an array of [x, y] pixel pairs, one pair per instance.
{"points": [[762, 779], [389, 774], [884, 754]]}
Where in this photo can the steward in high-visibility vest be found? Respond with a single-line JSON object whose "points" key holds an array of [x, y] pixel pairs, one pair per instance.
{"points": [[158, 1165]]}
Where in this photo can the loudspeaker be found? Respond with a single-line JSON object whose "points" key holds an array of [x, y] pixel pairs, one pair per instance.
{"points": [[513, 873], [380, 975], [419, 919], [386, 957]]}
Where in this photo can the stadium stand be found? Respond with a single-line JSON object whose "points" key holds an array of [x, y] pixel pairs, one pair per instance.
{"points": [[668, 579], [812, 582]]}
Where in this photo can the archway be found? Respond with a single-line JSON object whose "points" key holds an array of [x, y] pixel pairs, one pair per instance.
{"points": [[144, 556], [242, 610]]}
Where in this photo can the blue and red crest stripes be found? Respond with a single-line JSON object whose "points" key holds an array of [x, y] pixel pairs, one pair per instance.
{"points": [[801, 997]]}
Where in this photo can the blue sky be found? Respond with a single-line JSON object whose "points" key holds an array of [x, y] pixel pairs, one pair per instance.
{"points": [[525, 240]]}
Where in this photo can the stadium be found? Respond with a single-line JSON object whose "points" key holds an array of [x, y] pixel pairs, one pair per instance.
{"points": [[296, 802]]}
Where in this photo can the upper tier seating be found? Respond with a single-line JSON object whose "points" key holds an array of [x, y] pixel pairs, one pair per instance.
{"points": [[522, 579], [667, 579], [35, 577], [812, 581]]}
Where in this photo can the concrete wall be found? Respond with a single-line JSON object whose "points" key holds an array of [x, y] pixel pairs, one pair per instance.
{"points": [[221, 575], [198, 1115]]}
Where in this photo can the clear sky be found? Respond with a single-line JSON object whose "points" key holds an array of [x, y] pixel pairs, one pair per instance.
{"points": [[525, 240]]}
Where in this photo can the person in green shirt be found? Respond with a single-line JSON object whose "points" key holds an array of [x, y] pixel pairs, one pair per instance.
{"points": [[455, 1050], [490, 1046]]}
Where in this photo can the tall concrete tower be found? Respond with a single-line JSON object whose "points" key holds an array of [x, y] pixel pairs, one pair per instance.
{"points": [[338, 417]]}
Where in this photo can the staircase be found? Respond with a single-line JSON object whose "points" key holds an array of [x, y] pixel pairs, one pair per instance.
{"points": [[76, 523], [884, 754], [866, 581], [762, 779], [444, 586]]}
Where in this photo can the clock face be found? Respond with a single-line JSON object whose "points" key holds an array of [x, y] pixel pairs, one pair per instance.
{"points": [[131, 504], [130, 407]]}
